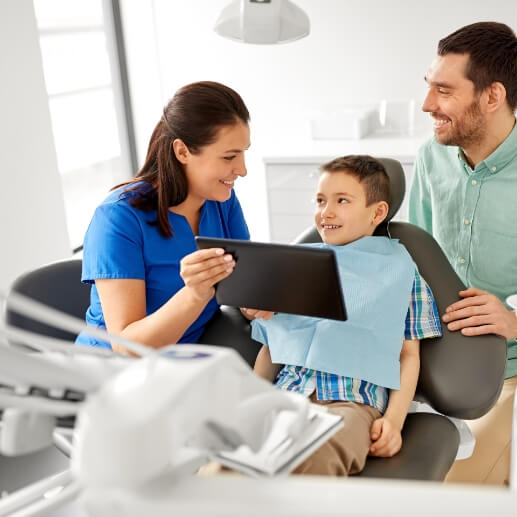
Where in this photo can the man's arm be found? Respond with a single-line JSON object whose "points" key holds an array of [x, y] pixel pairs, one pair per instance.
{"points": [[480, 312], [386, 431]]}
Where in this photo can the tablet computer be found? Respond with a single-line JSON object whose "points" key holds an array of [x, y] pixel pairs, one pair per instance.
{"points": [[280, 278]]}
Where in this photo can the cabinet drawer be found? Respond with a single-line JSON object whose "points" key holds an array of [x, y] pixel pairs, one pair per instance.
{"points": [[291, 201], [287, 176], [285, 228]]}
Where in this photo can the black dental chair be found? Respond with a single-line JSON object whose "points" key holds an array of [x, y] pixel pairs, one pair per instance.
{"points": [[459, 377], [59, 286]]}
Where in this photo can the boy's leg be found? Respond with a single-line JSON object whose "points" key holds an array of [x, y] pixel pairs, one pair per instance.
{"points": [[490, 462], [344, 453]]}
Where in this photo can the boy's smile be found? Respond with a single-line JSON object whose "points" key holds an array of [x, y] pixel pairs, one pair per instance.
{"points": [[341, 213]]}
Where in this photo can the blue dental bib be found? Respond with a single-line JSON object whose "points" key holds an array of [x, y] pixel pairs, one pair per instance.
{"points": [[377, 274]]}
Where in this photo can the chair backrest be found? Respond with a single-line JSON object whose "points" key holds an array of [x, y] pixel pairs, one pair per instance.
{"points": [[57, 285], [459, 376]]}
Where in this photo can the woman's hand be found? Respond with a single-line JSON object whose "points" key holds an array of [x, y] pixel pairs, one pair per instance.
{"points": [[202, 269], [252, 314]]}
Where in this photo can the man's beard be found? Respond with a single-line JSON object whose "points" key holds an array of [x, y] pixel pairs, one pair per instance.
{"points": [[467, 131]]}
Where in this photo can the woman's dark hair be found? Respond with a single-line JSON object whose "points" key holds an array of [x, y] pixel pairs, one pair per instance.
{"points": [[492, 50], [194, 115], [369, 171]]}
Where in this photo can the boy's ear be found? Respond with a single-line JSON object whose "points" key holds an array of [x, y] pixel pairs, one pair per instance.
{"points": [[381, 212], [181, 151]]}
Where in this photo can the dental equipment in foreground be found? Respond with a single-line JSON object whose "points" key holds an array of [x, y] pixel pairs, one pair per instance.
{"points": [[141, 419]]}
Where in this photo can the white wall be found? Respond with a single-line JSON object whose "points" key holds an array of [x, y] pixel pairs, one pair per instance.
{"points": [[142, 53], [32, 217], [359, 51]]}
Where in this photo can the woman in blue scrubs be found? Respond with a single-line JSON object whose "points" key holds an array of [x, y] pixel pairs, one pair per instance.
{"points": [[149, 282]]}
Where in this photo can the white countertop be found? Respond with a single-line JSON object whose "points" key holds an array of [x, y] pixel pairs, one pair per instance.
{"points": [[403, 148]]}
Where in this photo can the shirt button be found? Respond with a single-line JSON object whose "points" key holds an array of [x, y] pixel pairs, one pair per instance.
{"points": [[462, 261], [493, 169], [467, 221], [474, 182]]}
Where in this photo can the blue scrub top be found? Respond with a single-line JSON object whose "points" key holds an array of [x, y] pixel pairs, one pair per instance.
{"points": [[125, 242]]}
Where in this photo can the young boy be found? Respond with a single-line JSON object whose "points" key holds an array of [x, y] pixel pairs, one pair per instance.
{"points": [[353, 367]]}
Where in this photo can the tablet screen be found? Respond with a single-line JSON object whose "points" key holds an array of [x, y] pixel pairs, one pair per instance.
{"points": [[280, 278]]}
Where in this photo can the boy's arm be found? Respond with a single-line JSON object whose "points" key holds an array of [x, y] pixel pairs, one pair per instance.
{"points": [[264, 367], [251, 314], [385, 431]]}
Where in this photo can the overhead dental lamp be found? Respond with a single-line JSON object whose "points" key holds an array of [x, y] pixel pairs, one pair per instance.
{"points": [[262, 21]]}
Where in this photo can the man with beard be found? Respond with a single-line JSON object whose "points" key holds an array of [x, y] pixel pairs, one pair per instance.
{"points": [[464, 194]]}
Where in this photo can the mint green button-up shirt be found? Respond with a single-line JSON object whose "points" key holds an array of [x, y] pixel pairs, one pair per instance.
{"points": [[472, 213]]}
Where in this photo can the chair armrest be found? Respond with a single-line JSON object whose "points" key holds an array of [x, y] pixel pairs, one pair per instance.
{"points": [[460, 376], [429, 446], [228, 327]]}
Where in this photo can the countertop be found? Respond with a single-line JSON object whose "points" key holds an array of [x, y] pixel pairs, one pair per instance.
{"points": [[402, 148]]}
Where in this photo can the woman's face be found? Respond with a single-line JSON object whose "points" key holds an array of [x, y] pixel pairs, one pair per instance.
{"points": [[211, 173]]}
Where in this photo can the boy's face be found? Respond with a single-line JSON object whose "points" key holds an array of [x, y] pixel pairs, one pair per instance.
{"points": [[341, 213]]}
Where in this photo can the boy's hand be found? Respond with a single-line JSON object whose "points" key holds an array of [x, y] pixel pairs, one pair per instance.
{"points": [[386, 438], [252, 314]]}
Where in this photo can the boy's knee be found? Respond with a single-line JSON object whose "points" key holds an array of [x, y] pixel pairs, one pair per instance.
{"points": [[324, 462]]}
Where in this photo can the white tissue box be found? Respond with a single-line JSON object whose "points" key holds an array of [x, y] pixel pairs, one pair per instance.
{"points": [[343, 124]]}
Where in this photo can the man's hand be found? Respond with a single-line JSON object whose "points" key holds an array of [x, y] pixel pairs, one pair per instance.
{"points": [[480, 313], [386, 438]]}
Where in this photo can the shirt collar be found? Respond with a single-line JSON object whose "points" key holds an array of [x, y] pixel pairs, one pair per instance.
{"points": [[502, 155]]}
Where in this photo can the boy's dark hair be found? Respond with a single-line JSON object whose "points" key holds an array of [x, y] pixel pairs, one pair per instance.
{"points": [[369, 171], [492, 50]]}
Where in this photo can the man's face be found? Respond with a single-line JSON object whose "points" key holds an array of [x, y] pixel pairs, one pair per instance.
{"points": [[453, 103]]}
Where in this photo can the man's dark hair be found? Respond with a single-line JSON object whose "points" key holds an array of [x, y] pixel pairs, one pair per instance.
{"points": [[369, 172], [492, 50]]}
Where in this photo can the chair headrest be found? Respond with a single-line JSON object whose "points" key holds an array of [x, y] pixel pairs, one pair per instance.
{"points": [[397, 185], [397, 188]]}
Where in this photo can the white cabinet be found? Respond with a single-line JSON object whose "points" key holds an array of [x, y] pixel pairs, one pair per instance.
{"points": [[291, 184]]}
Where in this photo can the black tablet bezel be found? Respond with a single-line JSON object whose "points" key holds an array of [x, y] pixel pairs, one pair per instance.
{"points": [[280, 278]]}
